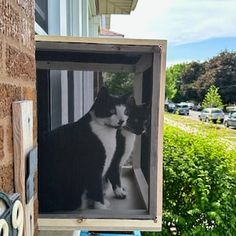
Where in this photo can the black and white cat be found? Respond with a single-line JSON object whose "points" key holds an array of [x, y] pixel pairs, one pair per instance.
{"points": [[136, 125], [76, 156]]}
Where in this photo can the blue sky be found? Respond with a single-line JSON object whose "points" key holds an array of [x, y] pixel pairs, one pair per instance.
{"points": [[194, 29]]}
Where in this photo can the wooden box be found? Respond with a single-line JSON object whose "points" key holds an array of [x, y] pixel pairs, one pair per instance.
{"points": [[142, 210]]}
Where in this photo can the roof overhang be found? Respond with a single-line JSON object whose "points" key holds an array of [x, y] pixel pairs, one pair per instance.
{"points": [[115, 6]]}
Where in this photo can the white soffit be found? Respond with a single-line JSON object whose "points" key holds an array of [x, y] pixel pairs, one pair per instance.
{"points": [[115, 6]]}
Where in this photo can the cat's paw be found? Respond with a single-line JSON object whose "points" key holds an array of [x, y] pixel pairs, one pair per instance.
{"points": [[99, 205], [107, 203], [106, 186], [120, 193]]}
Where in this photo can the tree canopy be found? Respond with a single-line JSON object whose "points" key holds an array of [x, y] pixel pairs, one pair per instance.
{"points": [[173, 75], [193, 82], [212, 98]]}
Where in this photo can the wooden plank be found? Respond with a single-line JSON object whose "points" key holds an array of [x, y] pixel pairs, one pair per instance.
{"points": [[87, 40], [137, 90], [99, 213], [23, 143], [76, 66], [99, 224], [143, 186], [161, 131], [89, 47], [156, 160], [153, 182], [144, 63]]}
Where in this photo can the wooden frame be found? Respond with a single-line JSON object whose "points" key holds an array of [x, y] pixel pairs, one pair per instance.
{"points": [[146, 59], [23, 143]]}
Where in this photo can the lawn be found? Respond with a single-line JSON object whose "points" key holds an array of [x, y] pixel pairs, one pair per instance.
{"points": [[226, 135]]}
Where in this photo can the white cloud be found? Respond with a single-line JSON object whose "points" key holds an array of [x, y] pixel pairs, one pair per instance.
{"points": [[178, 21]]}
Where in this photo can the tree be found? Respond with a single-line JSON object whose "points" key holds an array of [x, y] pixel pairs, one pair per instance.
{"points": [[173, 75], [212, 98], [119, 83], [189, 89], [220, 71], [196, 79], [170, 88]]}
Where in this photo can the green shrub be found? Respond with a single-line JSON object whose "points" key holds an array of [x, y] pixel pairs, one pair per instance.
{"points": [[199, 185], [119, 83]]}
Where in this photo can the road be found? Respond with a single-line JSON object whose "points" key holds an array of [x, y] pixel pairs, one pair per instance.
{"points": [[194, 115]]}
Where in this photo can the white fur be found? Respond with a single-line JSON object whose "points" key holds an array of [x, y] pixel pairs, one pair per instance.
{"points": [[107, 136], [120, 192], [120, 114], [84, 201], [99, 205], [129, 145], [114, 119]]}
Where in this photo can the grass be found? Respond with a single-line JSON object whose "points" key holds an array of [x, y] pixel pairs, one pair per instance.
{"points": [[226, 135]]}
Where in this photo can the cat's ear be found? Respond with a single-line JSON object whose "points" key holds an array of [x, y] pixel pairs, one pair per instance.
{"points": [[131, 101], [125, 97], [103, 93], [148, 106]]}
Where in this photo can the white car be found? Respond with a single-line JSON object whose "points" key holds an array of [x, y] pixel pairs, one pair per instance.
{"points": [[190, 105], [212, 114], [231, 120], [182, 109]]}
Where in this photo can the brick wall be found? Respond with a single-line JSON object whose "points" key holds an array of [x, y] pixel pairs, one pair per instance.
{"points": [[17, 76]]}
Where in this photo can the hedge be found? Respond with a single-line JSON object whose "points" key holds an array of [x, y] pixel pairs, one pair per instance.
{"points": [[199, 185]]}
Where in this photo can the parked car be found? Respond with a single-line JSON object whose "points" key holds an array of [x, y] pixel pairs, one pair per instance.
{"points": [[170, 107], [182, 109], [231, 108], [212, 114], [231, 120], [190, 105]]}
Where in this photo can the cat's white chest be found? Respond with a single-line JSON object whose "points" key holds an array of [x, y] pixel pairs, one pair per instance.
{"points": [[107, 136]]}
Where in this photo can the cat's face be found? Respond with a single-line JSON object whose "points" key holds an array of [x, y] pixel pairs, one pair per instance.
{"points": [[138, 116], [110, 110]]}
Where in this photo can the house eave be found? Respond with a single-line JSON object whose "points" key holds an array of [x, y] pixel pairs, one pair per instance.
{"points": [[115, 6]]}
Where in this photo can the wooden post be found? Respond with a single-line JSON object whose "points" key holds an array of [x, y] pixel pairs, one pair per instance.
{"points": [[23, 143], [138, 89]]}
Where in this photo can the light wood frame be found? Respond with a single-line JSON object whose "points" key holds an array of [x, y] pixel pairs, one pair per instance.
{"points": [[144, 54]]}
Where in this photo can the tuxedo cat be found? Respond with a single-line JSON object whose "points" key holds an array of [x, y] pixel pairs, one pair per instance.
{"points": [[76, 156], [125, 138]]}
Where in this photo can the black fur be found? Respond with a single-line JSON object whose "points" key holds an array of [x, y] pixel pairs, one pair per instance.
{"points": [[72, 160], [114, 171], [138, 116]]}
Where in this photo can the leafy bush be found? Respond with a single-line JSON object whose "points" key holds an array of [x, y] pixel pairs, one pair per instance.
{"points": [[199, 185], [119, 83]]}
